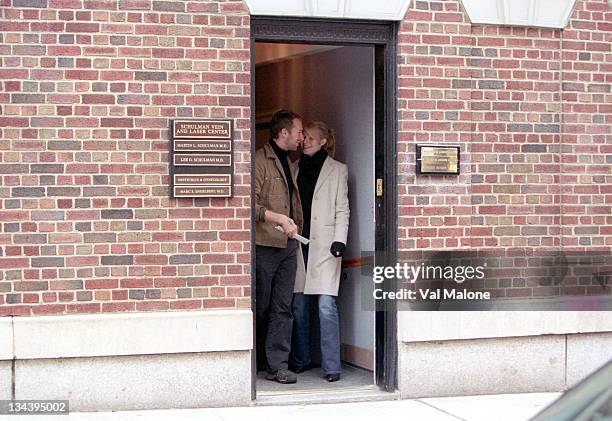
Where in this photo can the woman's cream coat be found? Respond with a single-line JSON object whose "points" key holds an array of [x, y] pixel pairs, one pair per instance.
{"points": [[329, 222]]}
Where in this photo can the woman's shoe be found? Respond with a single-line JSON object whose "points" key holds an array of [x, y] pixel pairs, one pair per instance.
{"points": [[332, 377]]}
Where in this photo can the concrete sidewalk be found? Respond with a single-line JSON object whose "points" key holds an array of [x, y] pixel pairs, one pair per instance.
{"points": [[520, 407]]}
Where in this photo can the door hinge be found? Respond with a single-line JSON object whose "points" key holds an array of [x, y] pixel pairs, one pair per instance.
{"points": [[379, 187]]}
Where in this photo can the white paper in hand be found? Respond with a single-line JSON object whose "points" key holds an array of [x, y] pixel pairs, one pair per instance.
{"points": [[298, 237]]}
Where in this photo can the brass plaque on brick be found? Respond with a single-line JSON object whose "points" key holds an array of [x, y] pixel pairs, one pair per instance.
{"points": [[183, 145], [203, 129], [202, 191], [202, 179], [438, 159], [201, 163], [202, 160]]}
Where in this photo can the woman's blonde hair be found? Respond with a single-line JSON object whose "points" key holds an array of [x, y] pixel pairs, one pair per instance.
{"points": [[324, 132]]}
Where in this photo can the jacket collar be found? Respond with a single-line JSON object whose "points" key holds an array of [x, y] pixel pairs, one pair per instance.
{"points": [[326, 170], [280, 152], [270, 154]]}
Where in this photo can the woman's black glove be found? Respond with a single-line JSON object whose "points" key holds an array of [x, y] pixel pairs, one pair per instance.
{"points": [[337, 249]]}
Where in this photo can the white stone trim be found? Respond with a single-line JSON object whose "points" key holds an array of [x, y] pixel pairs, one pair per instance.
{"points": [[6, 338], [422, 326], [482, 367], [139, 382], [344, 9], [537, 13], [585, 354], [114, 334]]}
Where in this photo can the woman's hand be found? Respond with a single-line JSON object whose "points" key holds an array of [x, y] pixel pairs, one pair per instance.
{"points": [[337, 249]]}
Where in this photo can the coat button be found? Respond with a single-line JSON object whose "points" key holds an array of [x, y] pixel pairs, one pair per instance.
{"points": [[315, 218]]}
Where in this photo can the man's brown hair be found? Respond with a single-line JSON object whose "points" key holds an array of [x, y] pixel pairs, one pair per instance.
{"points": [[282, 119]]}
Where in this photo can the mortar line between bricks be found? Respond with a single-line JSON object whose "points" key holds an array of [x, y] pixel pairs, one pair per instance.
{"points": [[441, 410], [470, 65], [561, 144], [566, 386], [14, 360]]}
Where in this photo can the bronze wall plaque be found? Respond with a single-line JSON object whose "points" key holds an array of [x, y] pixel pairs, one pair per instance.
{"points": [[202, 160], [202, 145], [202, 191], [202, 179], [203, 129], [438, 159]]}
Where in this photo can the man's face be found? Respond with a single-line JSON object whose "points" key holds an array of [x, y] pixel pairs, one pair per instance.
{"points": [[296, 135]]}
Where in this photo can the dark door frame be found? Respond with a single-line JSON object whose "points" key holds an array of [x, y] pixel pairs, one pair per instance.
{"points": [[383, 37]]}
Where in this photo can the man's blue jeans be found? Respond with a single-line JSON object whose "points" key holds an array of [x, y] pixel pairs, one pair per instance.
{"points": [[330, 332]]}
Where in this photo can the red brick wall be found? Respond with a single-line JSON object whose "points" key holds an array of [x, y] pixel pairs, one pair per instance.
{"points": [[434, 106], [531, 110], [87, 88], [587, 122]]}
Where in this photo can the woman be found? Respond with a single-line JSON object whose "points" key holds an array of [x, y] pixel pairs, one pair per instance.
{"points": [[322, 184]]}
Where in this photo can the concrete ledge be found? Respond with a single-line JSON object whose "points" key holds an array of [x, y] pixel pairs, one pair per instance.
{"points": [[585, 354], [417, 326], [482, 366], [212, 379], [5, 380], [538, 13], [6, 333], [387, 10], [132, 334]]}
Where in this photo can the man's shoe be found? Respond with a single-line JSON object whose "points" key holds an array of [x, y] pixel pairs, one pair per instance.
{"points": [[332, 377], [282, 376]]}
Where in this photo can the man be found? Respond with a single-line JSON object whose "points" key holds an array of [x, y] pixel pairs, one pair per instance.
{"points": [[277, 204]]}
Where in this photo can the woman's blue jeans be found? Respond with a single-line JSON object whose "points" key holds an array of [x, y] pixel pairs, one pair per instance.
{"points": [[330, 332]]}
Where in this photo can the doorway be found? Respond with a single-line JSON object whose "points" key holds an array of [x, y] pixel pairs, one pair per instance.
{"points": [[344, 74]]}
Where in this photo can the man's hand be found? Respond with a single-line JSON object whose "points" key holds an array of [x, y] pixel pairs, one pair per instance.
{"points": [[283, 221], [288, 226]]}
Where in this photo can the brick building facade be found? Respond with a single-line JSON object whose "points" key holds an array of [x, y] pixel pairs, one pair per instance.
{"points": [[87, 90], [530, 108]]}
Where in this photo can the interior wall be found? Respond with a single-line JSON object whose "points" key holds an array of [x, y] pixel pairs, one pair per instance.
{"points": [[337, 87], [268, 52]]}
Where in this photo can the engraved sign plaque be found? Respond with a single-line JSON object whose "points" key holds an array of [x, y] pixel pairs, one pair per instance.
{"points": [[199, 179], [202, 129], [202, 145], [202, 191], [201, 158], [437, 159]]}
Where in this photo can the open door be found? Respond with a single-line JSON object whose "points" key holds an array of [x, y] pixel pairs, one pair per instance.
{"points": [[344, 74]]}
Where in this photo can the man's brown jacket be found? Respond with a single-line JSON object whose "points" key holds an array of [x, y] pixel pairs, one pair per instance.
{"points": [[272, 193]]}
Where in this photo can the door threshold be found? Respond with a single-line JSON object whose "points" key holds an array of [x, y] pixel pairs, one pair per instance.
{"points": [[310, 397]]}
